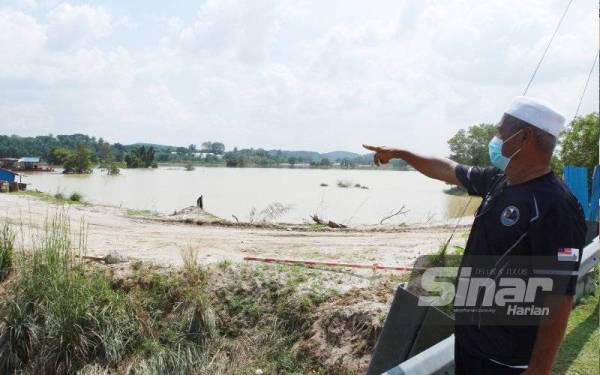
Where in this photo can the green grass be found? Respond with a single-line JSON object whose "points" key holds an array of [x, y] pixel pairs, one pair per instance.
{"points": [[61, 314], [58, 313], [579, 351], [7, 245], [443, 258], [58, 198], [146, 213], [317, 227]]}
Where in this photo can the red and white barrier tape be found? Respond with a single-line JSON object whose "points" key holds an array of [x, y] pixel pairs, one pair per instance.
{"points": [[374, 266]]}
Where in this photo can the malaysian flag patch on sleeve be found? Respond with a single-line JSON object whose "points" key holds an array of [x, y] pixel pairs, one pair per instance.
{"points": [[568, 254]]}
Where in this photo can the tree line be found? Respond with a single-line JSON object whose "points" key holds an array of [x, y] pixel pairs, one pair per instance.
{"points": [[78, 153]]}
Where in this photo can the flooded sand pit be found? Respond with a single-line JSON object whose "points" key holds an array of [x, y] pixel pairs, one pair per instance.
{"points": [[239, 191]]}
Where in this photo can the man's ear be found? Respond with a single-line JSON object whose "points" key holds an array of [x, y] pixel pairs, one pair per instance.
{"points": [[527, 136]]}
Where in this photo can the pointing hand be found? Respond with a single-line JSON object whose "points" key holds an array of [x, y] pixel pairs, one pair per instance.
{"points": [[383, 154]]}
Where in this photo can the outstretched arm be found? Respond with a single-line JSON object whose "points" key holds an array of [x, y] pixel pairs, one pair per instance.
{"points": [[438, 168]]}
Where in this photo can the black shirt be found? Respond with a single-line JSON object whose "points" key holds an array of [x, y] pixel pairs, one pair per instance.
{"points": [[538, 224]]}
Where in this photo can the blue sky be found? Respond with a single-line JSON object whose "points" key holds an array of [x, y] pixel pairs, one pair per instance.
{"points": [[320, 75]]}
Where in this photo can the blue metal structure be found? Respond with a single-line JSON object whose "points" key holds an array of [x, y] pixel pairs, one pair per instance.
{"points": [[577, 180], [6, 175]]}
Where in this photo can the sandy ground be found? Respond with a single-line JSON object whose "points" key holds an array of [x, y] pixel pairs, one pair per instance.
{"points": [[154, 239]]}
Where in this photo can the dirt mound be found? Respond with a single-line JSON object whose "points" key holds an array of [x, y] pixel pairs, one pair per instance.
{"points": [[346, 330], [193, 213]]}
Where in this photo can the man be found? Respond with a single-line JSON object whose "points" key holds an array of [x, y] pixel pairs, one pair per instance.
{"points": [[528, 218]]}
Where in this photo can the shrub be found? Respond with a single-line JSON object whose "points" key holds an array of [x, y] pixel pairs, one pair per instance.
{"points": [[75, 197], [58, 316], [7, 241]]}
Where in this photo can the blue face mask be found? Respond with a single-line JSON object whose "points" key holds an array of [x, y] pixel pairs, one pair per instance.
{"points": [[495, 150]]}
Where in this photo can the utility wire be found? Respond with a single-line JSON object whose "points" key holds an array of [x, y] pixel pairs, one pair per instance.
{"points": [[587, 82], [547, 48]]}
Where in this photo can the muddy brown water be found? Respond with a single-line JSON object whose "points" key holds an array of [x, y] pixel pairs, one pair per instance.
{"points": [[239, 191]]}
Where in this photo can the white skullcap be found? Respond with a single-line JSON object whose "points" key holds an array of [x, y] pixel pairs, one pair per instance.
{"points": [[537, 113]]}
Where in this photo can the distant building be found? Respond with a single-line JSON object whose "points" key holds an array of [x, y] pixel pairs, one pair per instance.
{"points": [[6, 175], [30, 163], [8, 163], [204, 155]]}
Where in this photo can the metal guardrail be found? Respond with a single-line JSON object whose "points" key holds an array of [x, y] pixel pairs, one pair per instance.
{"points": [[439, 359], [590, 257]]}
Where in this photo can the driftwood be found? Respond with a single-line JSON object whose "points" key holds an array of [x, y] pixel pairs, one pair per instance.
{"points": [[111, 258], [316, 219], [401, 211], [330, 224]]}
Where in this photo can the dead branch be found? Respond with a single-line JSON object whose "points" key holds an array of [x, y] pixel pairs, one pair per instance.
{"points": [[401, 211]]}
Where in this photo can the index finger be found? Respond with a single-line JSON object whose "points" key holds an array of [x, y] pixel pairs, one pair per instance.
{"points": [[372, 148]]}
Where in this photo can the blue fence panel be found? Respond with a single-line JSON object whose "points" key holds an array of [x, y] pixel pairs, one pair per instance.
{"points": [[576, 179]]}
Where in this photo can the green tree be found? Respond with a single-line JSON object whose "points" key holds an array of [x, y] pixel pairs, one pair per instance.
{"points": [[578, 144], [325, 162], [217, 148], [79, 161], [471, 146], [107, 159], [58, 155], [235, 160], [141, 157]]}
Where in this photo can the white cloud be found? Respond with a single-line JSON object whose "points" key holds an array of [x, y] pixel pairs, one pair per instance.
{"points": [[72, 25], [235, 29], [21, 39], [309, 74]]}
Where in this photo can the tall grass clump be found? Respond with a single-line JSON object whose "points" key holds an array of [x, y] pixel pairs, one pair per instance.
{"points": [[177, 319], [60, 315], [57, 316], [271, 213], [7, 245]]}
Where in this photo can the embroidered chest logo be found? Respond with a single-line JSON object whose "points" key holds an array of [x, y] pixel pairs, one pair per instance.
{"points": [[510, 215]]}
